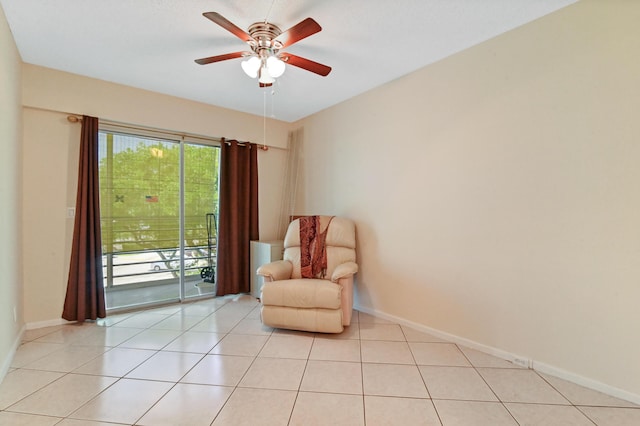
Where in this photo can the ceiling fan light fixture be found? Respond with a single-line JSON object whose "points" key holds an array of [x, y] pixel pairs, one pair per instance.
{"points": [[265, 77], [251, 66], [275, 66]]}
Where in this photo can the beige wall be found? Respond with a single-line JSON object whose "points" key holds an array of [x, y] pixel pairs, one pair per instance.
{"points": [[51, 164], [60, 91], [51, 148], [497, 194], [10, 184]]}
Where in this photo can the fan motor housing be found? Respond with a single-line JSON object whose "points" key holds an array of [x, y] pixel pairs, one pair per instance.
{"points": [[264, 35]]}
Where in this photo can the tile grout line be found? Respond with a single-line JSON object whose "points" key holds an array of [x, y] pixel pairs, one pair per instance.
{"points": [[157, 351], [128, 372], [488, 385], [306, 365], [433, 404], [235, 387], [364, 405]]}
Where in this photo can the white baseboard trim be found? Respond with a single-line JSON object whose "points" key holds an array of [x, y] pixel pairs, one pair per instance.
{"points": [[4, 369], [586, 382], [47, 323], [508, 356]]}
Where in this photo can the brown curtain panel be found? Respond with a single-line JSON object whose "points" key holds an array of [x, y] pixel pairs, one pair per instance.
{"points": [[85, 291], [238, 221]]}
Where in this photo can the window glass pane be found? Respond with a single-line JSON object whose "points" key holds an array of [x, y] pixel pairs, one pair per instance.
{"points": [[201, 166], [139, 193]]}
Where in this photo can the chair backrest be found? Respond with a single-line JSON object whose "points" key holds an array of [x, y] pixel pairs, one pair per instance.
{"points": [[340, 244]]}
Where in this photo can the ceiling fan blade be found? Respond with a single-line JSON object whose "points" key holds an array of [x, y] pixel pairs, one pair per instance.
{"points": [[306, 64], [218, 58], [299, 31], [229, 26]]}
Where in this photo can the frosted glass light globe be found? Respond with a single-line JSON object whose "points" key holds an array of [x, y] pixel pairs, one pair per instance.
{"points": [[251, 66], [276, 66]]}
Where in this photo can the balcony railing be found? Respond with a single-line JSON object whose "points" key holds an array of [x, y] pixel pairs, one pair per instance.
{"points": [[154, 267]]}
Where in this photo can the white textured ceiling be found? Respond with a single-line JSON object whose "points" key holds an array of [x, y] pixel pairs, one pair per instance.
{"points": [[152, 44]]}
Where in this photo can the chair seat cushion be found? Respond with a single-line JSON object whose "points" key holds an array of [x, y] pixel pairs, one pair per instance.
{"points": [[302, 293]]}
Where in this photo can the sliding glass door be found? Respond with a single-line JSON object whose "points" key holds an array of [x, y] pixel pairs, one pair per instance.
{"points": [[200, 213], [158, 202]]}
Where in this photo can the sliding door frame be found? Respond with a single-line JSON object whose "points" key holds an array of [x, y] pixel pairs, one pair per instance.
{"points": [[182, 139]]}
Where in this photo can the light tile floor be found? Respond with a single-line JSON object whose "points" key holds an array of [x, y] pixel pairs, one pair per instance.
{"points": [[212, 362]]}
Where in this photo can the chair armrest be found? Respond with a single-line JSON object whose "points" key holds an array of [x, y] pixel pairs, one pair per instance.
{"points": [[344, 270], [276, 271]]}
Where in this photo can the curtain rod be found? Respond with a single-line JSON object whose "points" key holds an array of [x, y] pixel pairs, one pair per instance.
{"points": [[73, 117], [243, 144], [130, 126], [263, 147]]}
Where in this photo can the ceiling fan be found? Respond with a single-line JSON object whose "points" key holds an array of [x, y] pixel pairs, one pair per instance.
{"points": [[266, 41]]}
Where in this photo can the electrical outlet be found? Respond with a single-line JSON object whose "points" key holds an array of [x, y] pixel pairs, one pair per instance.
{"points": [[522, 362], [71, 212]]}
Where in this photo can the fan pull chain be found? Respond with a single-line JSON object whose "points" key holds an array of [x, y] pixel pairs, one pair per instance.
{"points": [[273, 97], [264, 120]]}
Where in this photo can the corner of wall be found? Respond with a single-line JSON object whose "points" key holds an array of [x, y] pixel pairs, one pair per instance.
{"points": [[11, 299]]}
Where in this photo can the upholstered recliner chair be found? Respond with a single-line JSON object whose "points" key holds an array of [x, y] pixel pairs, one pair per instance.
{"points": [[311, 289]]}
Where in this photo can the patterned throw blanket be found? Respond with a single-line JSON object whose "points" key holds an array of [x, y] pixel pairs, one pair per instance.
{"points": [[313, 250]]}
